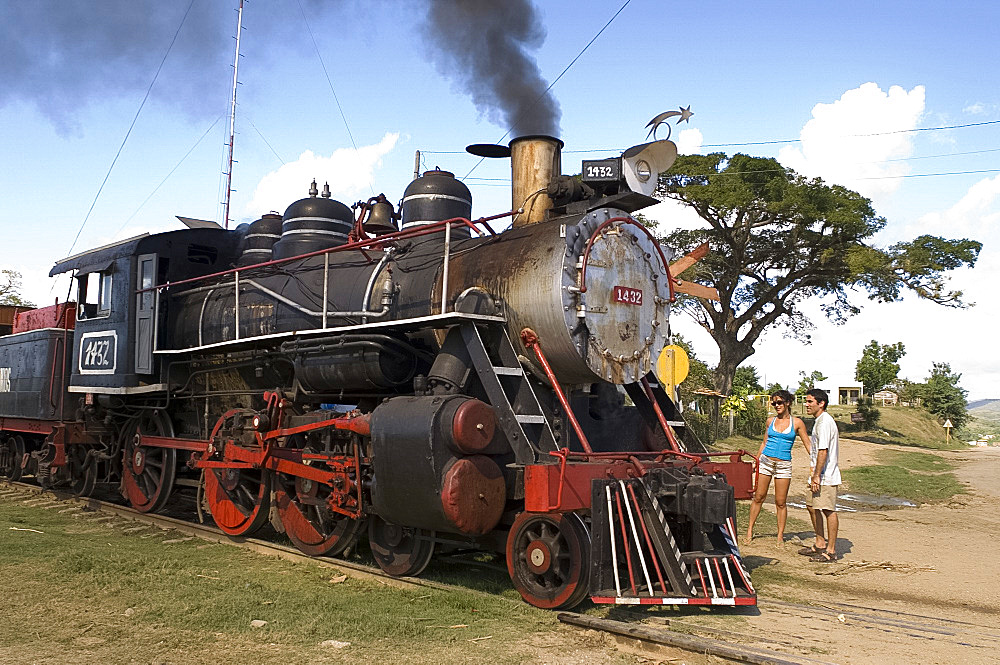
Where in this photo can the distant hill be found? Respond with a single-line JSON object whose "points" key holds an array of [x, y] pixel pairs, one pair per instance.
{"points": [[985, 411]]}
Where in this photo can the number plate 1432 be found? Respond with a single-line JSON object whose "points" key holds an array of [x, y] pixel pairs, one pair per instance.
{"points": [[626, 295]]}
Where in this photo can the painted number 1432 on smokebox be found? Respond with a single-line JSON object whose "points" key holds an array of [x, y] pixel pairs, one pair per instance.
{"points": [[626, 295]]}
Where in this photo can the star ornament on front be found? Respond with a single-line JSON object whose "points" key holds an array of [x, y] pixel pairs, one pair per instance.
{"points": [[683, 115]]}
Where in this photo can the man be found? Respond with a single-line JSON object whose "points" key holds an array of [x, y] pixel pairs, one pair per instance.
{"points": [[821, 500]]}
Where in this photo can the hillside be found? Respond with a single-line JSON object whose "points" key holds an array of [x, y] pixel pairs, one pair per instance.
{"points": [[899, 425]]}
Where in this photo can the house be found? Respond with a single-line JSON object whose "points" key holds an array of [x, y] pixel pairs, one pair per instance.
{"points": [[886, 398], [842, 390]]}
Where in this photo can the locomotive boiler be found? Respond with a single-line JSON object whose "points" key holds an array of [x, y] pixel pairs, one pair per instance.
{"points": [[411, 376]]}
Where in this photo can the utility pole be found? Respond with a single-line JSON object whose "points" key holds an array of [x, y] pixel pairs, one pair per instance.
{"points": [[232, 115]]}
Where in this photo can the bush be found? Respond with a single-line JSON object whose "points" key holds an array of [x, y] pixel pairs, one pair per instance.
{"points": [[750, 422], [871, 415]]}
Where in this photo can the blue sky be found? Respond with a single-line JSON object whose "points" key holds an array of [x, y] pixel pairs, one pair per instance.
{"points": [[814, 74]]}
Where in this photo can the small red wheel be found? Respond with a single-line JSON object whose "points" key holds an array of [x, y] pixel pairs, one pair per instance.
{"points": [[548, 558], [11, 457]]}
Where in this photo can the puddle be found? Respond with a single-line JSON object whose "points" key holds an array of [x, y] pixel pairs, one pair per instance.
{"points": [[854, 503]]}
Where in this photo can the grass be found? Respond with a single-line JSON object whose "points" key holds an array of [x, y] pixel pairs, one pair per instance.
{"points": [[900, 482], [915, 461], [85, 592]]}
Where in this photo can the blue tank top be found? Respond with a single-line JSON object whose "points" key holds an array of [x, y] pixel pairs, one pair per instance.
{"points": [[779, 444]]}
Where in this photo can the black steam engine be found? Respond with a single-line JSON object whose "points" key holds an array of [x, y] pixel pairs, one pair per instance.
{"points": [[412, 376]]}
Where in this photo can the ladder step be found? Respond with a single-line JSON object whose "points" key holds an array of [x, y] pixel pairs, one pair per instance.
{"points": [[508, 370], [529, 419]]}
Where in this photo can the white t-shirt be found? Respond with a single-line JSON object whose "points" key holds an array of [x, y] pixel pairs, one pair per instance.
{"points": [[825, 436]]}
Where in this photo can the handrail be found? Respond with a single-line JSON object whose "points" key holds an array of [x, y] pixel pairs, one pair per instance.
{"points": [[624, 220], [370, 243]]}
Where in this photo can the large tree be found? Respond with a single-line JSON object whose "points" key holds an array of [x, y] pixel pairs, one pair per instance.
{"points": [[778, 239], [879, 365], [10, 289]]}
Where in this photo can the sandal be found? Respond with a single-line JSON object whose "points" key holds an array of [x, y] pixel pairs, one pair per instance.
{"points": [[823, 557], [810, 550]]}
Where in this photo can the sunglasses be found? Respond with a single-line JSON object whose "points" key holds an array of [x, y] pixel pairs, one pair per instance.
{"points": [[777, 402]]}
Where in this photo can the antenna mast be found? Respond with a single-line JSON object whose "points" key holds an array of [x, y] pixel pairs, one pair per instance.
{"points": [[232, 115]]}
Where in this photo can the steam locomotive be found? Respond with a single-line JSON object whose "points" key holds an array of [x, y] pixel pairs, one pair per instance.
{"points": [[413, 377]]}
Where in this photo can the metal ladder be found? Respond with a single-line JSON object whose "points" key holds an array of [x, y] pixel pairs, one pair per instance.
{"points": [[685, 435], [519, 412]]}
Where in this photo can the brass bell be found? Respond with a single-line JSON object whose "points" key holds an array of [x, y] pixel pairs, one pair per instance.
{"points": [[382, 218]]}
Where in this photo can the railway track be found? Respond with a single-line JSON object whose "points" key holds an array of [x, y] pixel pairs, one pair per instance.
{"points": [[683, 630]]}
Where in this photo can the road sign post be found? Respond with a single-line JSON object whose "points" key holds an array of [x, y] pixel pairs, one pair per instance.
{"points": [[947, 430]]}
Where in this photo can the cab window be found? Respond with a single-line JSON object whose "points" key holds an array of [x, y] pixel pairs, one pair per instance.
{"points": [[94, 295]]}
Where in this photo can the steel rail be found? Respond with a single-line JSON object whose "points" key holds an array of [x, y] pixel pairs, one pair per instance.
{"points": [[704, 645]]}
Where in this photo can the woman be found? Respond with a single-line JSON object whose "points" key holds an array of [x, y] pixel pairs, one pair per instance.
{"points": [[776, 460]]}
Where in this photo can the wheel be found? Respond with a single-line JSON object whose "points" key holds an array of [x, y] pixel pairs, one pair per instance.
{"points": [[309, 523], [239, 499], [11, 457], [148, 472], [548, 558], [401, 551], [82, 470]]}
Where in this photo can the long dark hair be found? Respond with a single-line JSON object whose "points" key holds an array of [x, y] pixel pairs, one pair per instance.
{"points": [[784, 395]]}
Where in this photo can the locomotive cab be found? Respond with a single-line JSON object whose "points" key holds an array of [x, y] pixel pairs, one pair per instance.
{"points": [[119, 313]]}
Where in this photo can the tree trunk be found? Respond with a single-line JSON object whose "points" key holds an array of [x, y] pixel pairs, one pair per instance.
{"points": [[732, 352]]}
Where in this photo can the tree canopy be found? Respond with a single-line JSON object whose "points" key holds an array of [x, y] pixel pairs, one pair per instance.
{"points": [[808, 381], [10, 289], [879, 365], [778, 239], [746, 377]]}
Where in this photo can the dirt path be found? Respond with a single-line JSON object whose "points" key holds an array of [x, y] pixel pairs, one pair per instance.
{"points": [[928, 567]]}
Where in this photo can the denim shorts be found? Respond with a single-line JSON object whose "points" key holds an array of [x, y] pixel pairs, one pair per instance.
{"points": [[777, 468]]}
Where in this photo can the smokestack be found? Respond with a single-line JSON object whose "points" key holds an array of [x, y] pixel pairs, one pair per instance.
{"points": [[534, 162]]}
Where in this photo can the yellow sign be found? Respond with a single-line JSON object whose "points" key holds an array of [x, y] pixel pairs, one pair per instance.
{"points": [[672, 367]]}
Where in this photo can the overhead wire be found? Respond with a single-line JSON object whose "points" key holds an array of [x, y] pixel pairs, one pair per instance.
{"points": [[129, 132], [167, 177], [329, 81]]}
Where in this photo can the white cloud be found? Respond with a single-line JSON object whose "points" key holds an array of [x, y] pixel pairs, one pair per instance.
{"points": [[976, 215], [348, 172], [834, 146], [975, 109], [689, 142]]}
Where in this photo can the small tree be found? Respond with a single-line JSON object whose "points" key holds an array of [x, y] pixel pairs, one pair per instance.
{"points": [[808, 381], [878, 365], [943, 397], [10, 289]]}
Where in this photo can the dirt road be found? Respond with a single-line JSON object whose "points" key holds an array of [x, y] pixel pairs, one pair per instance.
{"points": [[932, 571]]}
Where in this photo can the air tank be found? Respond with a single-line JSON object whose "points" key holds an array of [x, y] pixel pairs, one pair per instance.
{"points": [[260, 239], [313, 224], [435, 196]]}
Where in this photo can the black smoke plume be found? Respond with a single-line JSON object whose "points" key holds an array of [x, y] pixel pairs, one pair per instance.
{"points": [[484, 45], [60, 55]]}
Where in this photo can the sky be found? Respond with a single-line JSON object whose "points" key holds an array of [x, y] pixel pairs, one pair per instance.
{"points": [[347, 91]]}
